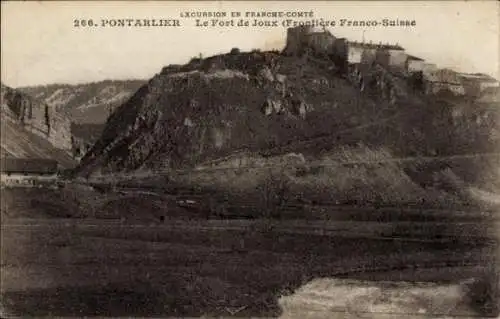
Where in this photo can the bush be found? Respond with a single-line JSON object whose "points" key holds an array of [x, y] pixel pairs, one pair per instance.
{"points": [[235, 51], [274, 192]]}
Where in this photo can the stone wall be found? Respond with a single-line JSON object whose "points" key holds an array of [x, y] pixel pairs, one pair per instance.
{"points": [[355, 54], [306, 37], [321, 42], [383, 57], [397, 58], [369, 56], [415, 65], [295, 39]]}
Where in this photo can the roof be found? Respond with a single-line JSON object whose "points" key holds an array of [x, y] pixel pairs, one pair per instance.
{"points": [[376, 46], [26, 165], [447, 70], [412, 57], [478, 76]]}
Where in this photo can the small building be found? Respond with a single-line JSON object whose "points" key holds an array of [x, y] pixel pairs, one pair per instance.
{"points": [[28, 166], [476, 83], [444, 79], [391, 55], [414, 64], [355, 52], [367, 53], [359, 52], [428, 68], [25, 171]]}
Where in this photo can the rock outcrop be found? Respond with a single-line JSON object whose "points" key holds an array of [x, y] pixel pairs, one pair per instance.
{"points": [[37, 117], [270, 103], [213, 107], [32, 129]]}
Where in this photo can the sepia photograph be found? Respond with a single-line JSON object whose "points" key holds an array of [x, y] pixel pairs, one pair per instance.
{"points": [[250, 159]]}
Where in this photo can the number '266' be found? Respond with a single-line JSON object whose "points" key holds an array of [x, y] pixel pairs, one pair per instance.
{"points": [[83, 23]]}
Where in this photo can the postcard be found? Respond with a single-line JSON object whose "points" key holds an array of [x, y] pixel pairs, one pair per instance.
{"points": [[250, 159]]}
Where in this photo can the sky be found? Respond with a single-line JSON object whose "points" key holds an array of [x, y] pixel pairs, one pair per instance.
{"points": [[41, 45]]}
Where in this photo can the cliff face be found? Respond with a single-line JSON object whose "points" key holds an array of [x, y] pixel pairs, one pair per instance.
{"points": [[85, 103], [32, 129], [35, 116], [270, 103]]}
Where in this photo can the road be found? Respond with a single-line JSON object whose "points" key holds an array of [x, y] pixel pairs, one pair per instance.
{"points": [[70, 267]]}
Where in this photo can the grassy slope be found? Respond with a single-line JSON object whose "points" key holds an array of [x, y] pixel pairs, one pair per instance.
{"points": [[417, 125], [17, 142], [336, 105], [65, 268], [341, 118]]}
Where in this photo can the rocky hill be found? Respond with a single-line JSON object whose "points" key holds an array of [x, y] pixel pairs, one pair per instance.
{"points": [[86, 103], [268, 105], [217, 105], [31, 129], [266, 101]]}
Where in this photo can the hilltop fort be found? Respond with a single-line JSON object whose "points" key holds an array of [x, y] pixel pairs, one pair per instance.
{"points": [[311, 40]]}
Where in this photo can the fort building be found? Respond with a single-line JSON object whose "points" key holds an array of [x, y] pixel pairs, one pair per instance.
{"points": [[444, 79], [476, 83], [414, 64], [307, 38]]}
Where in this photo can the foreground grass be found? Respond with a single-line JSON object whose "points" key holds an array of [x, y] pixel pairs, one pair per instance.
{"points": [[66, 268], [93, 264]]}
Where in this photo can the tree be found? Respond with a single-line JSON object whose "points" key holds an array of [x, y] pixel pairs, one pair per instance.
{"points": [[47, 118]]}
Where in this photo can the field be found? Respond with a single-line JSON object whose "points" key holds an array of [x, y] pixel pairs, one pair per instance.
{"points": [[84, 265]]}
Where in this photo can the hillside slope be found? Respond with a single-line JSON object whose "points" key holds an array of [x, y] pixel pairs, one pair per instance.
{"points": [[31, 129], [85, 103], [271, 103], [261, 127], [84, 135], [212, 107]]}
